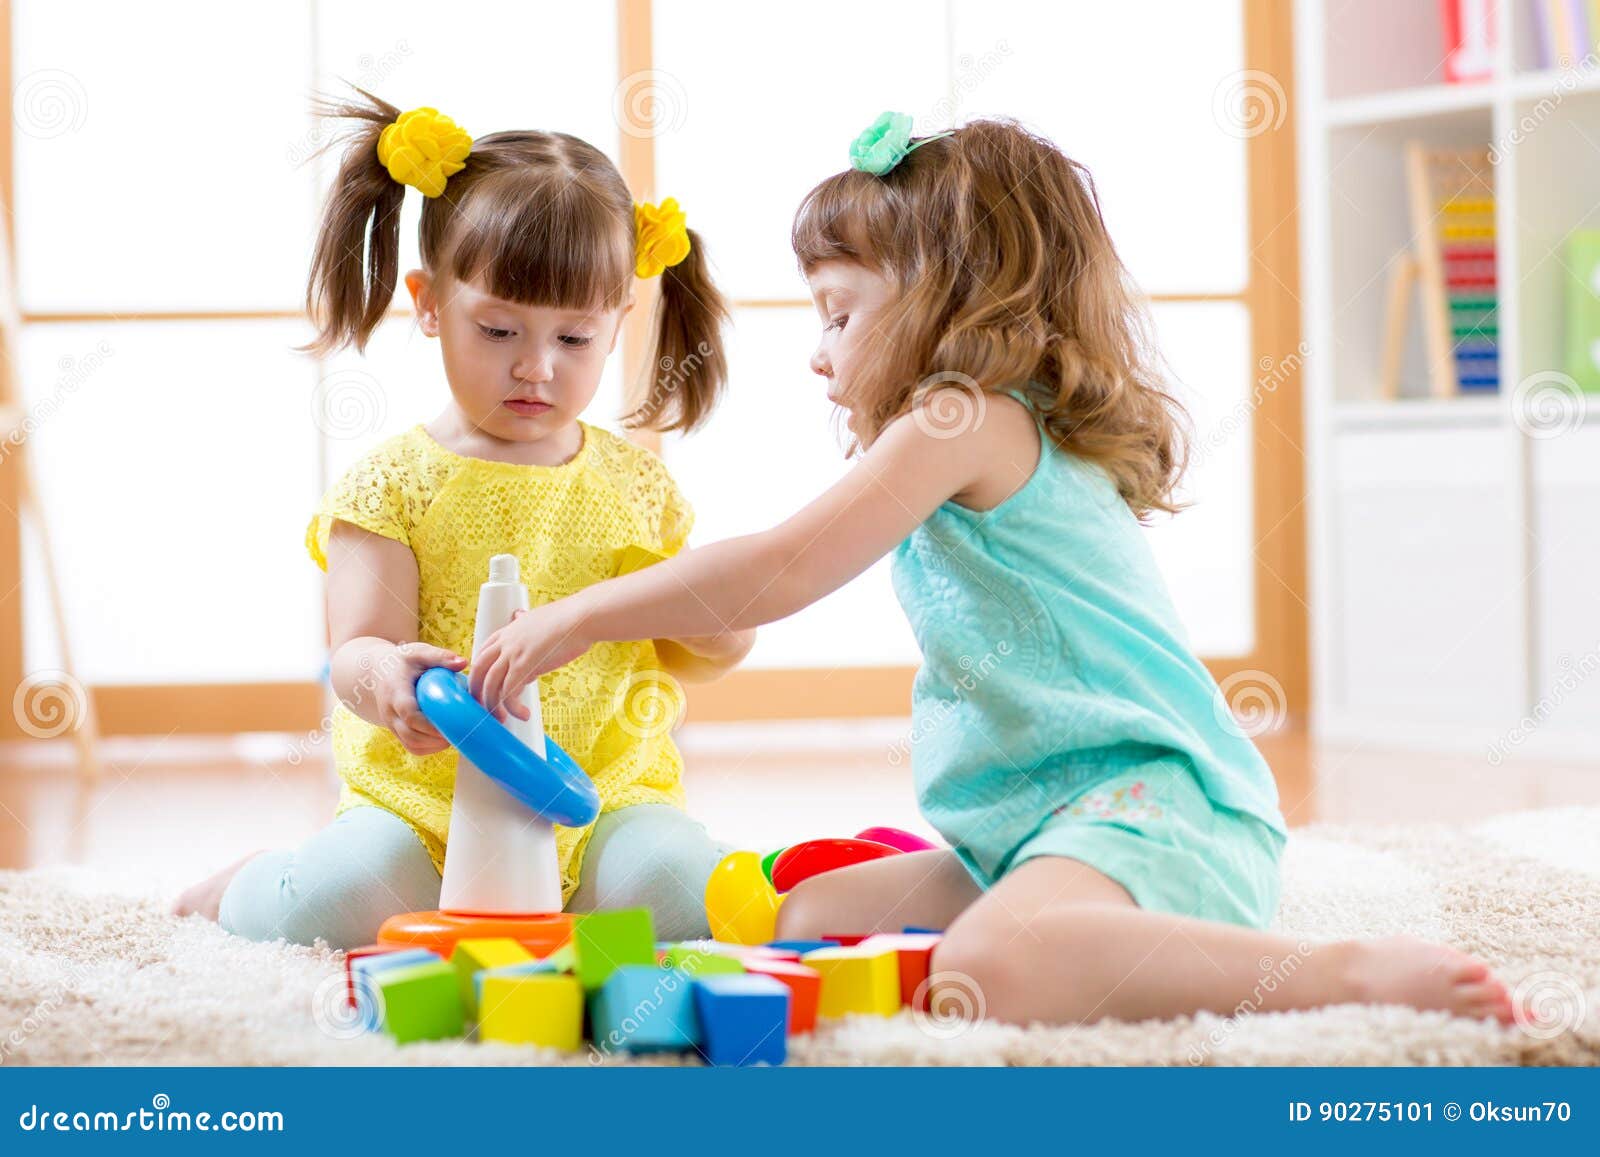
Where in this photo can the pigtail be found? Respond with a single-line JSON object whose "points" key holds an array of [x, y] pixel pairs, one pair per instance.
{"points": [[355, 267], [688, 364]]}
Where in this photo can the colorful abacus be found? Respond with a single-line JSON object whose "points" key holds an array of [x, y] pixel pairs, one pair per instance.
{"points": [[1453, 214]]}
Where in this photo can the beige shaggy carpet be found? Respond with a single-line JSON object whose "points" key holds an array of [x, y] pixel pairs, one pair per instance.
{"points": [[95, 975]]}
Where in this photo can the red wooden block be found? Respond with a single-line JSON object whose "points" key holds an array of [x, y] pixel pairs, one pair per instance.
{"points": [[914, 951], [805, 987], [845, 941], [355, 954], [814, 857]]}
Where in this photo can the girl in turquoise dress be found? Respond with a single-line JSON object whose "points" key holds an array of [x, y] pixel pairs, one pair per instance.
{"points": [[1114, 835]]}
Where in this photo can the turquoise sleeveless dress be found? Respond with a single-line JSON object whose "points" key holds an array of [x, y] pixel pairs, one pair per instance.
{"points": [[1059, 710]]}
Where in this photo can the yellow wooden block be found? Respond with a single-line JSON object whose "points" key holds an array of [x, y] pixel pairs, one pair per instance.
{"points": [[865, 980], [471, 956], [540, 1008]]}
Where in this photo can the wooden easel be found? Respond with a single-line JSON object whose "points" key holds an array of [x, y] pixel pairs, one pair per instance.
{"points": [[86, 731]]}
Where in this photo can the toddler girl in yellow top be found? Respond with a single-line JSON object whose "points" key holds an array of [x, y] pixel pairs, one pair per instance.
{"points": [[530, 243]]}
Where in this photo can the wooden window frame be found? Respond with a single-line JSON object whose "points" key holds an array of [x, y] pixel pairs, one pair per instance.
{"points": [[1271, 298]]}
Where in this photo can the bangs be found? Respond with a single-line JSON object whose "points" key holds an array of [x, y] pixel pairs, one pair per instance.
{"points": [[839, 218], [543, 239]]}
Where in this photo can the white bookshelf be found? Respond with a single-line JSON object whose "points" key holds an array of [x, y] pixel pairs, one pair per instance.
{"points": [[1455, 559]]}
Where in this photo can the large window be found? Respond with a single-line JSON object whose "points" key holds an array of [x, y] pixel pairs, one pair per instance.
{"points": [[165, 204]]}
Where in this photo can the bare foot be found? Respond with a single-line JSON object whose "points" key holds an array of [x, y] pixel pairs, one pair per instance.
{"points": [[1405, 970], [205, 897]]}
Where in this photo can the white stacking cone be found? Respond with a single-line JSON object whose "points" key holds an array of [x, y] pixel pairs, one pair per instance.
{"points": [[500, 857]]}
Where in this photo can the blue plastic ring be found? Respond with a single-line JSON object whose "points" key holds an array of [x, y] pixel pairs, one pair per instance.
{"points": [[555, 787]]}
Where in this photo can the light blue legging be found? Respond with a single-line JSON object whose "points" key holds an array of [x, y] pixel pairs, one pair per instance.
{"points": [[368, 864]]}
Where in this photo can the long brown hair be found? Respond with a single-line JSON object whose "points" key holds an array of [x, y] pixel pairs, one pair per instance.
{"points": [[1005, 274], [543, 218]]}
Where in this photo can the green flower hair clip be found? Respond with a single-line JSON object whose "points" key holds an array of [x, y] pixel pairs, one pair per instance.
{"points": [[885, 142]]}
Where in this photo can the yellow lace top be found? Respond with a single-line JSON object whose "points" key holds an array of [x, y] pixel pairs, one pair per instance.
{"points": [[610, 509]]}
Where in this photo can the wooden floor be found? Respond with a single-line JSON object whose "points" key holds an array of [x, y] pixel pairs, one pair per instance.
{"points": [[173, 810]]}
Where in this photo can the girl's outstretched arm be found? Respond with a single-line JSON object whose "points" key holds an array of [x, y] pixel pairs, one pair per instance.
{"points": [[744, 582]]}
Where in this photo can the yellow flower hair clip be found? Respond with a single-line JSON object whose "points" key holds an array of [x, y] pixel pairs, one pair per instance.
{"points": [[661, 236], [423, 148]]}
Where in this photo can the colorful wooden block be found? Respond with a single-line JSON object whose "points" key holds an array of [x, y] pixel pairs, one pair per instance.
{"points": [[355, 954], [526, 968], [801, 946], [606, 941], [804, 985], [846, 940], [697, 959], [744, 1019], [644, 1008], [364, 970], [473, 956], [532, 1008], [856, 980], [421, 1001], [915, 953]]}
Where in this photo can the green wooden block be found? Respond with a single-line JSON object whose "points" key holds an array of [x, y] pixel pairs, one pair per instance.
{"points": [[604, 941], [563, 959], [1583, 309], [695, 960], [422, 1002]]}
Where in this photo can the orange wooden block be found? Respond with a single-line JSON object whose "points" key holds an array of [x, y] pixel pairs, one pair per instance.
{"points": [[805, 987]]}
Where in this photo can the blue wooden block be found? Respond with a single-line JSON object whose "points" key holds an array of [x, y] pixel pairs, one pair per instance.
{"points": [[363, 970], [744, 1019], [911, 930], [522, 968], [802, 946], [643, 1008]]}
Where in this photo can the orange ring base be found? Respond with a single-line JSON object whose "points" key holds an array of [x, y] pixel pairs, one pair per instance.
{"points": [[540, 933]]}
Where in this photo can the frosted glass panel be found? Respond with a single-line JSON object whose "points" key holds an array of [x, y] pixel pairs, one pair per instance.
{"points": [[772, 447], [490, 65], [744, 128], [1146, 95], [152, 154], [178, 466], [1207, 550]]}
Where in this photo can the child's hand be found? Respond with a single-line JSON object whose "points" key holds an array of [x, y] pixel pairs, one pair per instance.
{"points": [[532, 643], [395, 690]]}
